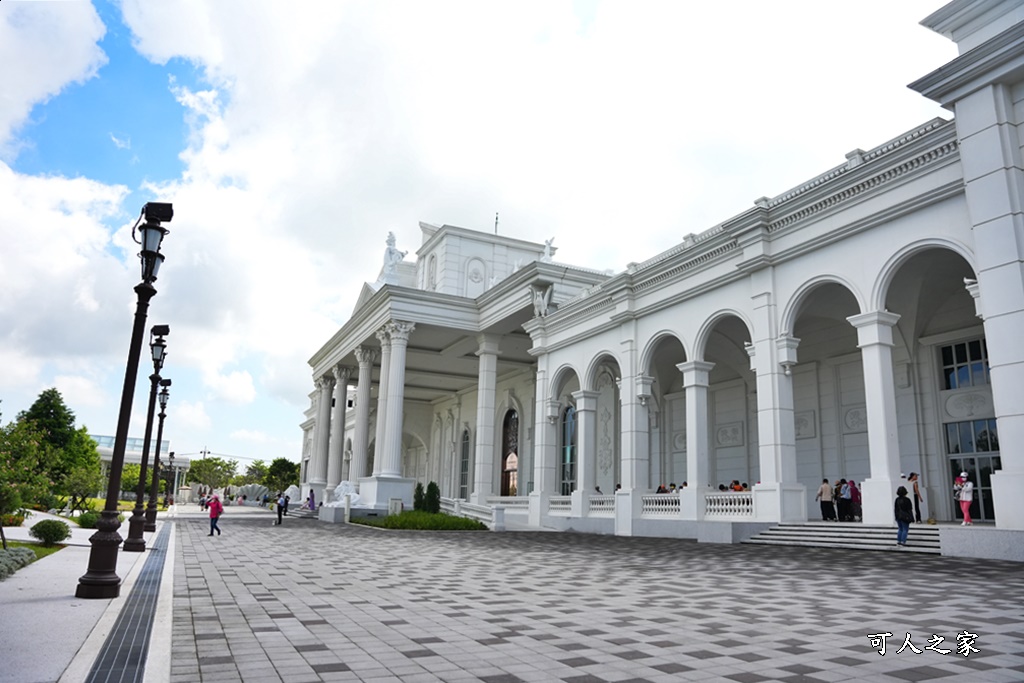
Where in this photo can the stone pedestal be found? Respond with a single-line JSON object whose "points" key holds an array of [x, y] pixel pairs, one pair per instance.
{"points": [[375, 492]]}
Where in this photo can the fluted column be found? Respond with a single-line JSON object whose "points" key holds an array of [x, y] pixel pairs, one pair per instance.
{"points": [[874, 334], [399, 332], [361, 438], [483, 479], [586, 440], [318, 461], [384, 337], [336, 450]]}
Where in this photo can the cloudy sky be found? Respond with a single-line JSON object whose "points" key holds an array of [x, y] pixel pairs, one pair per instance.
{"points": [[292, 136]]}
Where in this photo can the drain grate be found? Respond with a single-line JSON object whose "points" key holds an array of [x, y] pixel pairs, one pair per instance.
{"points": [[122, 659]]}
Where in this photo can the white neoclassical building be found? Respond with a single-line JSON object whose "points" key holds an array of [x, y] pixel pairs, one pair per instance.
{"points": [[865, 324]]}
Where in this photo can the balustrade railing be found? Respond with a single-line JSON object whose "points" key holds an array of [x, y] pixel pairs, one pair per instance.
{"points": [[661, 505], [602, 505], [721, 504], [512, 503], [560, 505]]}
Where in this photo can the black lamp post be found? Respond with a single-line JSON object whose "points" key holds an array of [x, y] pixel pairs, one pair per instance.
{"points": [[101, 579], [151, 508], [136, 542]]}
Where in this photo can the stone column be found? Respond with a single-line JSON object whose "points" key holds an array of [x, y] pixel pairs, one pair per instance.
{"points": [[586, 451], [695, 383], [483, 477], [544, 476], [392, 455], [317, 476], [336, 450], [384, 337], [636, 461], [361, 438], [874, 336]]}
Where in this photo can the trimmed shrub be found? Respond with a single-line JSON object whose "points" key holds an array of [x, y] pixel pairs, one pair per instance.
{"points": [[16, 519], [14, 559], [87, 520], [432, 501], [423, 521], [417, 497], [50, 531]]}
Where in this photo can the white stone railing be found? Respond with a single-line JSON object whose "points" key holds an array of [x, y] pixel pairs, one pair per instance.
{"points": [[493, 517], [602, 505], [560, 505], [661, 505], [512, 503], [729, 504]]}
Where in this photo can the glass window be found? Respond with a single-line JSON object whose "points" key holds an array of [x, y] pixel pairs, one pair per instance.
{"points": [[965, 364], [464, 467]]}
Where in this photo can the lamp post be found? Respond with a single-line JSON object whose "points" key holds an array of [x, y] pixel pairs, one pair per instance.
{"points": [[101, 579], [151, 508], [136, 542]]}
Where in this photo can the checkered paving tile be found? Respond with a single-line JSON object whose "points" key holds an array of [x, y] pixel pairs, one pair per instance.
{"points": [[321, 602]]}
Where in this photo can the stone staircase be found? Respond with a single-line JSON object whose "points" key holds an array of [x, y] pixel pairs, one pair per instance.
{"points": [[302, 513], [923, 538]]}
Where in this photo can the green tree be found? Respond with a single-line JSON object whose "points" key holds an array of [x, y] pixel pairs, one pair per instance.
{"points": [[213, 472], [83, 477], [130, 478], [255, 472], [23, 454], [281, 474], [52, 417]]}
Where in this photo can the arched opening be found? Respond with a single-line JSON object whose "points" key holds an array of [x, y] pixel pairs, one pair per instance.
{"points": [[510, 454], [606, 459], [464, 465], [567, 451], [666, 414]]}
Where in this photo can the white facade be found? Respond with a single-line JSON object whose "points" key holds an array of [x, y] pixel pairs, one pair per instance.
{"points": [[862, 325]]}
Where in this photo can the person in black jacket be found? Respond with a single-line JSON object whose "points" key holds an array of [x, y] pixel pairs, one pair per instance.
{"points": [[903, 509]]}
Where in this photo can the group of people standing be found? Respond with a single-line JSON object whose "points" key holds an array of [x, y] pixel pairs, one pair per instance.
{"points": [[840, 502]]}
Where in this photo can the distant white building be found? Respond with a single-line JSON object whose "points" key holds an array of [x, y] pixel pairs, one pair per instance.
{"points": [[865, 324], [133, 453]]}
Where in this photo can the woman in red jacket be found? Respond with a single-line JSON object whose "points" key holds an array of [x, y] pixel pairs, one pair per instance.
{"points": [[216, 510]]}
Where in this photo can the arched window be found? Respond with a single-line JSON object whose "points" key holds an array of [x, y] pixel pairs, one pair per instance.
{"points": [[464, 466], [568, 445], [510, 455]]}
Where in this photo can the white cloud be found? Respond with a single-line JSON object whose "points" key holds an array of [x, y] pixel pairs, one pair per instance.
{"points": [[234, 387], [191, 417], [250, 435], [125, 143], [81, 392], [45, 46]]}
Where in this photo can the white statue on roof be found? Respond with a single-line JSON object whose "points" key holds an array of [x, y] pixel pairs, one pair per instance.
{"points": [[546, 258], [392, 255]]}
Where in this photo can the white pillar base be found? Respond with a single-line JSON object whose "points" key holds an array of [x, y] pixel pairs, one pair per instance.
{"points": [[877, 499], [780, 503], [691, 503], [538, 505], [375, 492], [629, 505], [1007, 500], [318, 488]]}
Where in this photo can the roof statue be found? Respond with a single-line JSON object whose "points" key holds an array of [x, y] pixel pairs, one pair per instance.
{"points": [[546, 258], [392, 255]]}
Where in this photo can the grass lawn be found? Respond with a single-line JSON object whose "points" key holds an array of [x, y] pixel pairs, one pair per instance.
{"points": [[39, 549]]}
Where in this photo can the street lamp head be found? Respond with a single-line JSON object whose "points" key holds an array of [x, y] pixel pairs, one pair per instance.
{"points": [[158, 346], [164, 394], [151, 235]]}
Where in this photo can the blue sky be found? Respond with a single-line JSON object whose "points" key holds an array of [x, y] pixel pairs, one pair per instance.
{"points": [[292, 138]]}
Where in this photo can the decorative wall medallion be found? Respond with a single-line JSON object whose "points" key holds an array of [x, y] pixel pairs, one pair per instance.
{"points": [[476, 276], [806, 427], [967, 405], [855, 420], [730, 434]]}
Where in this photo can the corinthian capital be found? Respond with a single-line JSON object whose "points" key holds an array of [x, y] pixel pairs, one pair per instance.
{"points": [[324, 382], [342, 373], [384, 336], [366, 355], [400, 330]]}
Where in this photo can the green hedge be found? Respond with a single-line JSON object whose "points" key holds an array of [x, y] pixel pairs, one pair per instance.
{"points": [[50, 531], [12, 520], [423, 521], [14, 559]]}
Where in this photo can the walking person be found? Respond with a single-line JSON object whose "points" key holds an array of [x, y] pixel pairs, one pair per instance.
{"points": [[856, 513], [903, 509], [280, 507], [965, 494], [828, 511], [216, 510], [845, 502], [916, 492]]}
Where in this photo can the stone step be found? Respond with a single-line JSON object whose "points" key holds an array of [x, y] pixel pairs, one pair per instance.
{"points": [[922, 539]]}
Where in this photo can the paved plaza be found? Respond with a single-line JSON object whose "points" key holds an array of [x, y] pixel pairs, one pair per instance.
{"points": [[308, 601]]}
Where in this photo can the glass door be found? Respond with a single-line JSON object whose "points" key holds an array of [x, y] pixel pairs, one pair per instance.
{"points": [[973, 447]]}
